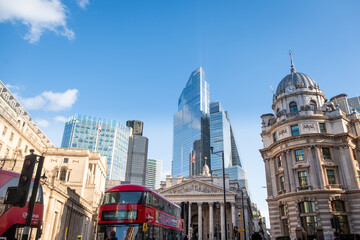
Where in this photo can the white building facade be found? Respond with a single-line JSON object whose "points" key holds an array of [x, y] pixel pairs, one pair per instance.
{"points": [[311, 156]]}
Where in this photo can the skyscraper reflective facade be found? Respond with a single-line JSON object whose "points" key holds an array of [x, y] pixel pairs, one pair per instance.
{"points": [[153, 173], [222, 138], [191, 126], [108, 137], [137, 158]]}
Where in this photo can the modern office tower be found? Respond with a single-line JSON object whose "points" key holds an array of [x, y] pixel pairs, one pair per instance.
{"points": [[137, 158], [354, 103], [153, 173], [222, 138], [191, 126], [137, 127], [108, 137], [235, 173]]}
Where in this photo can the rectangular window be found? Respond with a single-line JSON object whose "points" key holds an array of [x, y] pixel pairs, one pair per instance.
{"points": [[295, 130], [299, 155], [275, 137], [303, 180], [326, 153], [283, 210], [66, 160], [309, 223], [358, 172], [279, 161], [4, 131], [331, 176], [285, 227], [322, 127], [11, 136], [282, 184]]}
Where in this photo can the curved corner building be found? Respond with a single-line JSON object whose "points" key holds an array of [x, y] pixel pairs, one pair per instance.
{"points": [[311, 155]]}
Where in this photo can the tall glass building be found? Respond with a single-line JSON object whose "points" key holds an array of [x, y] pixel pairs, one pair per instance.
{"points": [[191, 127], [108, 137], [222, 138]]}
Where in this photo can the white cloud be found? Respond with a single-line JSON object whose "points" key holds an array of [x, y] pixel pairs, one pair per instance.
{"points": [[52, 101], [12, 87], [60, 119], [82, 3], [42, 123], [38, 15]]}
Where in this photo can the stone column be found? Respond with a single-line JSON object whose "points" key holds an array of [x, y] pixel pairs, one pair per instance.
{"points": [[233, 218], [222, 221], [290, 164], [200, 220], [189, 221], [211, 220], [268, 178]]}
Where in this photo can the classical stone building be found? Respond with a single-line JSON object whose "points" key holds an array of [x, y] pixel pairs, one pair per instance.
{"points": [[75, 177], [311, 156], [206, 204]]}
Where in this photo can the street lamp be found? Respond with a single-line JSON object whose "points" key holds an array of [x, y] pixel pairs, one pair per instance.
{"points": [[223, 169]]}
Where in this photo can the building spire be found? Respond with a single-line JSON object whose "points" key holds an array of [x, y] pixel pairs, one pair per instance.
{"points": [[293, 70]]}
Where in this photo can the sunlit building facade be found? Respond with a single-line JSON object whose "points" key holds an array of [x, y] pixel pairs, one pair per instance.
{"points": [[191, 127], [108, 137], [311, 156]]}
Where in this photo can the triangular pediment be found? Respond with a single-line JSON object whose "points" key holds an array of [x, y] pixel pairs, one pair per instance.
{"points": [[195, 187]]}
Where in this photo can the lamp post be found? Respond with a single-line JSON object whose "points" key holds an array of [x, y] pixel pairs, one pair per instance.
{"points": [[223, 169]]}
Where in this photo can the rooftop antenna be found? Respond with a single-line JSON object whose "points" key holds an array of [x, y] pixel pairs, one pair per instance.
{"points": [[293, 70]]}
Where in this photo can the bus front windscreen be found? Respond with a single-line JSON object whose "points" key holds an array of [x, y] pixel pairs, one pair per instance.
{"points": [[130, 197]]}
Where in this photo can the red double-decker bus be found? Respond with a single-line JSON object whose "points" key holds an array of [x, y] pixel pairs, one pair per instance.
{"points": [[134, 212], [12, 219]]}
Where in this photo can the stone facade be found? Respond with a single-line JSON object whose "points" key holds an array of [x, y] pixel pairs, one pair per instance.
{"points": [[75, 177], [206, 204], [311, 156]]}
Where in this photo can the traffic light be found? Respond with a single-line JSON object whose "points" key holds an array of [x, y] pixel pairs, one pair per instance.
{"points": [[17, 196], [235, 229]]}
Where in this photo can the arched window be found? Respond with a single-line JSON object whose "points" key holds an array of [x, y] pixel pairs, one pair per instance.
{"points": [[63, 174], [293, 107], [313, 105]]}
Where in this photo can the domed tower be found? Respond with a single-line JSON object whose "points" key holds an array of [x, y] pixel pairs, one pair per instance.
{"points": [[311, 160]]}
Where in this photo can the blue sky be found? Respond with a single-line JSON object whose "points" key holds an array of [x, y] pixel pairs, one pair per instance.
{"points": [[131, 59]]}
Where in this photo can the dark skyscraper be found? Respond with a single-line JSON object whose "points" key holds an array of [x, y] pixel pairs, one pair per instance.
{"points": [[137, 126]]}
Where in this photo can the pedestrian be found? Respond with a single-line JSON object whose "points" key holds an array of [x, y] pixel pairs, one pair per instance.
{"points": [[337, 236], [357, 237]]}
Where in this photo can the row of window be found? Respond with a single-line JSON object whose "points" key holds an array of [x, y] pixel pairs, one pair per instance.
{"points": [[308, 217], [294, 107], [304, 182], [300, 156], [296, 132]]}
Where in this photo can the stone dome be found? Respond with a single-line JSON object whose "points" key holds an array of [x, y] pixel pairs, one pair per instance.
{"points": [[299, 80], [206, 171]]}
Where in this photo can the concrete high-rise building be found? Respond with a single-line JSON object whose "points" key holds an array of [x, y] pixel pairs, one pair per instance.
{"points": [[153, 173], [137, 159], [137, 127], [311, 156], [222, 138], [108, 137], [191, 126]]}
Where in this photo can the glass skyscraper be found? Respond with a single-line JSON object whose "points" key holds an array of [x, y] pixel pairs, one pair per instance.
{"points": [[108, 137], [153, 173], [222, 138], [191, 127]]}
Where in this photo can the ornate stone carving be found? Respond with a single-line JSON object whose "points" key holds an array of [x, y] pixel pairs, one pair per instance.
{"points": [[193, 187]]}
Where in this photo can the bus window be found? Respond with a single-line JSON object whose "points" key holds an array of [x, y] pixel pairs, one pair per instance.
{"points": [[123, 198]]}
